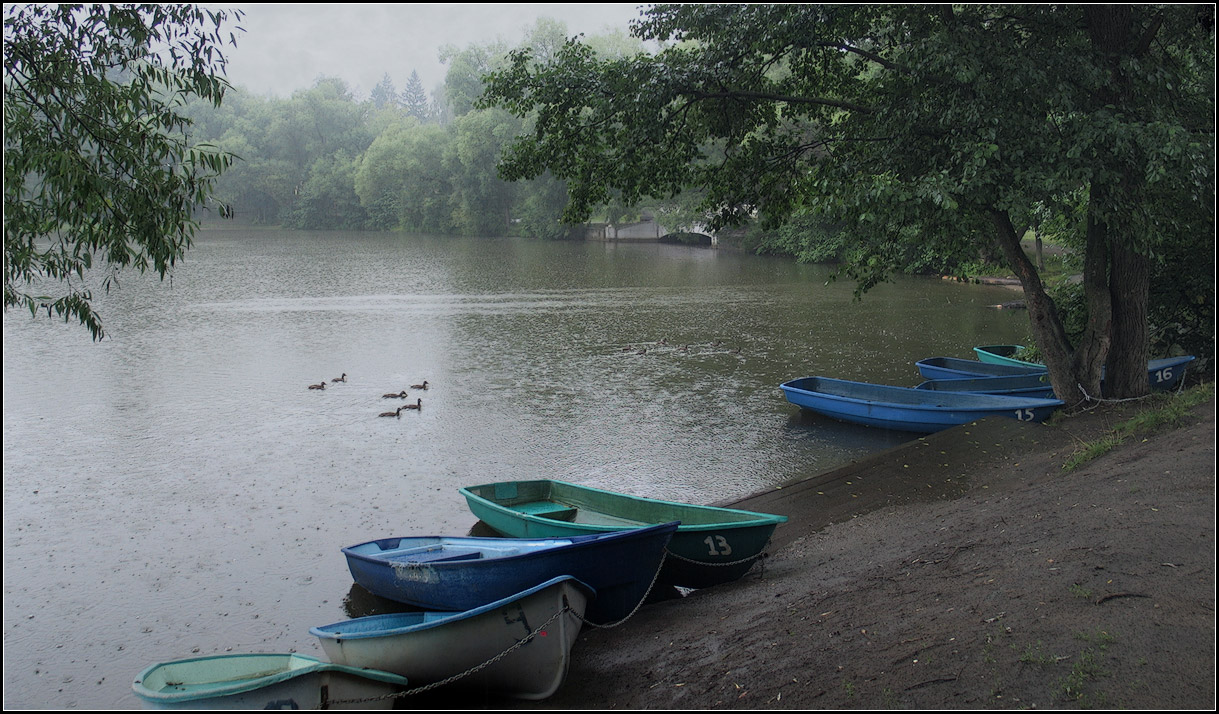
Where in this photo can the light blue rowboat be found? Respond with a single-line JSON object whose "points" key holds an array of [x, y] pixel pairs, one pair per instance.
{"points": [[524, 641], [264, 681], [906, 408]]}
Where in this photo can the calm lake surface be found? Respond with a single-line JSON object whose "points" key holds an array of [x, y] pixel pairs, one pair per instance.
{"points": [[176, 490]]}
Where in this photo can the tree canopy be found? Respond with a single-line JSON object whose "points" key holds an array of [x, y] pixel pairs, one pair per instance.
{"points": [[97, 161], [908, 127]]}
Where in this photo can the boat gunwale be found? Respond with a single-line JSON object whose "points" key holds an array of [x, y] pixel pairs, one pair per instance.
{"points": [[977, 369], [562, 543], [322, 631]]}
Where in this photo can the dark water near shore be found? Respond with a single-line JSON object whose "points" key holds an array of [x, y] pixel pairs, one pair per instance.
{"points": [[177, 490]]}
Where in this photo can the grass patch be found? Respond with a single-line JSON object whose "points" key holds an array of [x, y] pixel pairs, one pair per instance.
{"points": [[1086, 668], [1033, 655], [1080, 591], [1171, 410]]}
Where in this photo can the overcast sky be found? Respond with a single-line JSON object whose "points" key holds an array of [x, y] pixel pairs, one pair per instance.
{"points": [[287, 46]]}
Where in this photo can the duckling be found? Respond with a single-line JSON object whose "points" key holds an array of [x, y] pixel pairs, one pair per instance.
{"points": [[395, 413], [399, 395], [417, 405], [322, 385], [420, 386], [340, 379]]}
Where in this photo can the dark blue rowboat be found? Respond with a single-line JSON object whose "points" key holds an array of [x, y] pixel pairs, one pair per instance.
{"points": [[906, 408], [953, 368], [1036, 385], [1162, 374], [1167, 373], [443, 573]]}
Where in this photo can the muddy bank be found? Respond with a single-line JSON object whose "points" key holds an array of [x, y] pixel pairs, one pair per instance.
{"points": [[962, 570]]}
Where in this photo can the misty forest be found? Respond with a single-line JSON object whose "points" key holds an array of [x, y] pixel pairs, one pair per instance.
{"points": [[402, 158]]}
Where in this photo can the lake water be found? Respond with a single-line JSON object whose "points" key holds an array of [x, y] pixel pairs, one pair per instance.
{"points": [[176, 490]]}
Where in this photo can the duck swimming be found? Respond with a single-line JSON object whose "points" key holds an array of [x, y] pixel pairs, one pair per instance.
{"points": [[420, 386], [417, 405], [321, 385], [340, 379], [395, 413], [399, 395]]}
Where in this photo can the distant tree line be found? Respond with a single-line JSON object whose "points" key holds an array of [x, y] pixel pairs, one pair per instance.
{"points": [[324, 159]]}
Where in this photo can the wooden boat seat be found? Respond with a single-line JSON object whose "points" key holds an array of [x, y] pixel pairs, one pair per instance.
{"points": [[436, 555], [604, 519], [547, 509]]}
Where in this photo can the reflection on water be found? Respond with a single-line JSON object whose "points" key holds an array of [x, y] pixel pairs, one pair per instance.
{"points": [[177, 489]]}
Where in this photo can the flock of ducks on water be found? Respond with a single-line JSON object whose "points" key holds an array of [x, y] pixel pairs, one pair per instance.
{"points": [[417, 406]]}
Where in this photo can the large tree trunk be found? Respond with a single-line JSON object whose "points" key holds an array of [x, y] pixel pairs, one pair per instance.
{"points": [[1117, 38], [1129, 284], [1094, 344], [1074, 372]]}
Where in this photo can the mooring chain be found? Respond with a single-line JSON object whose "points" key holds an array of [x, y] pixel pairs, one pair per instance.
{"points": [[656, 576], [1097, 401], [642, 600], [718, 565]]}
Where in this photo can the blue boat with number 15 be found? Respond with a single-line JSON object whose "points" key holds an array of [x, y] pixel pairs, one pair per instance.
{"points": [[906, 408]]}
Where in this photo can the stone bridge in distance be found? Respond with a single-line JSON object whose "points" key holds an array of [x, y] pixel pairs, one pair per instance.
{"points": [[647, 231]]}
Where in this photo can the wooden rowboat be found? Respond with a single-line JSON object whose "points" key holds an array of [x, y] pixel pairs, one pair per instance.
{"points": [[711, 546], [453, 573], [519, 646], [906, 408], [264, 681]]}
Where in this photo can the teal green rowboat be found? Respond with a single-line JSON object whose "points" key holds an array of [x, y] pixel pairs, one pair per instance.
{"points": [[264, 681], [712, 545], [1004, 354]]}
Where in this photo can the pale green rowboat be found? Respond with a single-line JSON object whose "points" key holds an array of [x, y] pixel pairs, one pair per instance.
{"points": [[712, 545]]}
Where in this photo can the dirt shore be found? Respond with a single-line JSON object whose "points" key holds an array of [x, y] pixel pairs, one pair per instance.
{"points": [[962, 570]]}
